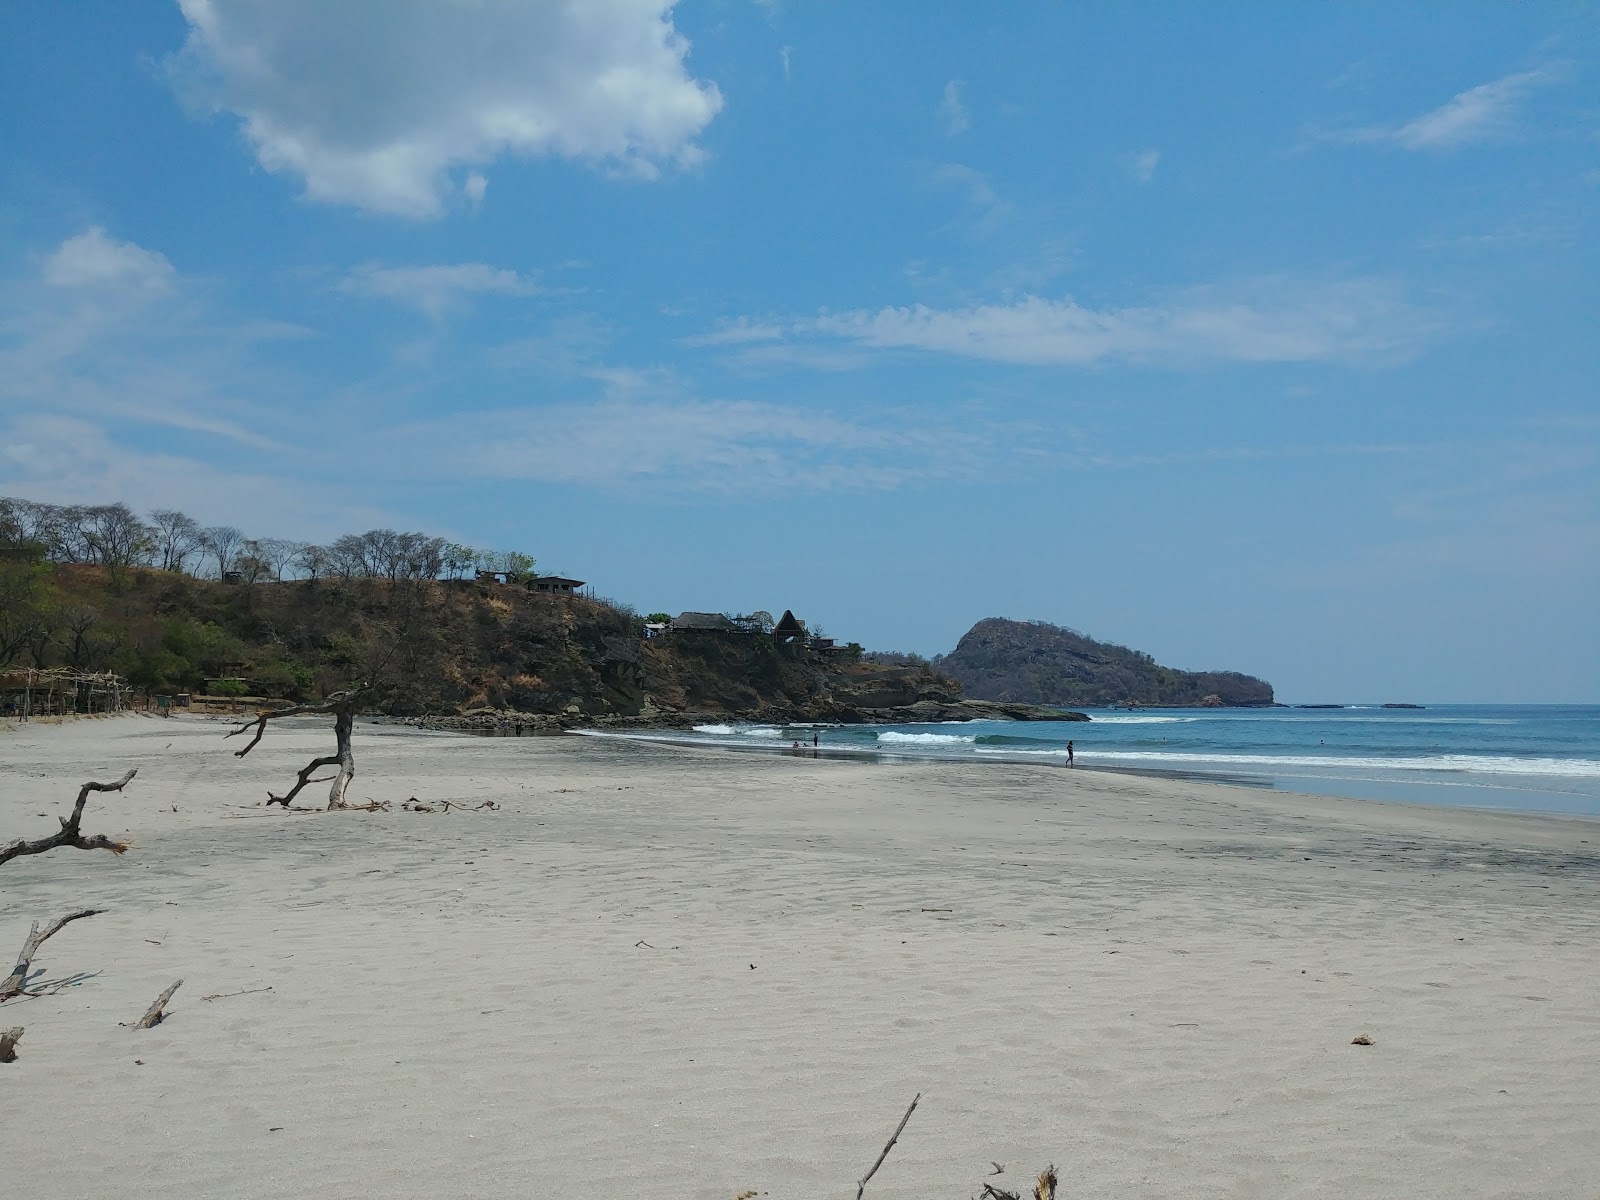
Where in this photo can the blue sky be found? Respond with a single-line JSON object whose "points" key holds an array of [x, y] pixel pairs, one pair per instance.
{"points": [[1255, 336]]}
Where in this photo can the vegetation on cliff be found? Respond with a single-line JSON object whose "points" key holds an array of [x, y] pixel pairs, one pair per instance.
{"points": [[1032, 662]]}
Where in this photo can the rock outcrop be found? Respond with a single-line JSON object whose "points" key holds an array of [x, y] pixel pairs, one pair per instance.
{"points": [[1035, 663]]}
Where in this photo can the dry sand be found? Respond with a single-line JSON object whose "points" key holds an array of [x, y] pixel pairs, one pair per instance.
{"points": [[691, 973]]}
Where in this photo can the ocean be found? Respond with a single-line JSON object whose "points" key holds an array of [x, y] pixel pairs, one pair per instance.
{"points": [[1525, 757]]}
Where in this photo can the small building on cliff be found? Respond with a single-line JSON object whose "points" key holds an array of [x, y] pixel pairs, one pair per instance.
{"points": [[699, 622]]}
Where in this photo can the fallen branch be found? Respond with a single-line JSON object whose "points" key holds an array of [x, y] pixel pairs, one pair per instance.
{"points": [[8, 1043], [14, 983], [70, 834], [246, 992], [343, 707], [1045, 1189], [154, 1015], [888, 1146]]}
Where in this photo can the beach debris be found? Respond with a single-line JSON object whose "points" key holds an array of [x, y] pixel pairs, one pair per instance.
{"points": [[156, 1013], [746, 1195], [1045, 1188], [14, 984], [888, 1146], [990, 1192], [999, 1168], [1361, 1039], [227, 995], [8, 1044], [70, 834], [343, 707]]}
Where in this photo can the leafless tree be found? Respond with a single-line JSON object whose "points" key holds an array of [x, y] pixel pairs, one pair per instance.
{"points": [[177, 536], [115, 535], [279, 553], [222, 542]]}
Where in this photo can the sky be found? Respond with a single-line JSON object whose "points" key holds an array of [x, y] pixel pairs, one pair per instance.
{"points": [[1255, 336]]}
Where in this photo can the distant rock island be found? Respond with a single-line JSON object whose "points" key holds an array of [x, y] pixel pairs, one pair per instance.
{"points": [[1032, 662]]}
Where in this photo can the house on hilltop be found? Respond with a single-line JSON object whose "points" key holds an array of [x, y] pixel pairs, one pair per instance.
{"points": [[555, 583], [699, 622], [789, 630]]}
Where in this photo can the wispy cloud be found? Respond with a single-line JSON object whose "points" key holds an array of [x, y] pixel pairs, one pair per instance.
{"points": [[1363, 321], [435, 290], [956, 120], [1483, 113], [685, 443], [1142, 166]]}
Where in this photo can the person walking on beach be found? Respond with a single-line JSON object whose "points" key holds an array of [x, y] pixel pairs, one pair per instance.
{"points": [[1069, 754]]}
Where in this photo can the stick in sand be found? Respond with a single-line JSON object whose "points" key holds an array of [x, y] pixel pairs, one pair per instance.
{"points": [[888, 1146], [154, 1015]]}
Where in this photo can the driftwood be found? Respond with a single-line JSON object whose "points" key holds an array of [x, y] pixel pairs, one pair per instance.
{"points": [[1043, 1189], [154, 1014], [70, 834], [8, 1043], [14, 983], [343, 707], [888, 1146]]}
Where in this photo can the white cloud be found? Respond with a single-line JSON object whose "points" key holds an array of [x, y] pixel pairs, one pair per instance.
{"points": [[92, 260], [1478, 114], [687, 443], [1361, 321], [952, 110], [1142, 166], [374, 104], [435, 290]]}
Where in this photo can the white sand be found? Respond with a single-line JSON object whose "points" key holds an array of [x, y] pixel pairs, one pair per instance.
{"points": [[1153, 984]]}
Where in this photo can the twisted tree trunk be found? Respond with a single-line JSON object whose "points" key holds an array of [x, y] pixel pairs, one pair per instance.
{"points": [[343, 707]]}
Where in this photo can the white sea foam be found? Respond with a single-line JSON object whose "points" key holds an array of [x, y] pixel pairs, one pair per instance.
{"points": [[720, 729], [892, 738], [1474, 764], [761, 731]]}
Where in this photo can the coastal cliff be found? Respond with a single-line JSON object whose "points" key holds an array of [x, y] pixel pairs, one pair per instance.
{"points": [[1033, 662]]}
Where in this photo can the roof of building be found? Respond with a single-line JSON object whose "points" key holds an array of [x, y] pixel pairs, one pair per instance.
{"points": [[557, 581], [713, 622], [789, 623]]}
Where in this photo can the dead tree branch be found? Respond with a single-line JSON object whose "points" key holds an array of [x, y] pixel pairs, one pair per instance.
{"points": [[154, 1015], [1045, 1188], [14, 983], [888, 1146], [8, 1043], [343, 707], [71, 834]]}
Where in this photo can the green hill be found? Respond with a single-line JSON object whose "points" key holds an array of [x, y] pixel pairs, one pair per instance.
{"points": [[1031, 662]]}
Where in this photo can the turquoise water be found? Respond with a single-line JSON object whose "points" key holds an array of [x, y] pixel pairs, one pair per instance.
{"points": [[1528, 757]]}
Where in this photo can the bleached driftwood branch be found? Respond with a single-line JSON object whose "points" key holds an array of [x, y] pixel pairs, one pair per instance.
{"points": [[14, 982], [343, 707], [888, 1146], [154, 1015], [71, 834]]}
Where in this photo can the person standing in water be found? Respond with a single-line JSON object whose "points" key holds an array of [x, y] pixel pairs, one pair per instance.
{"points": [[816, 739], [1069, 754]]}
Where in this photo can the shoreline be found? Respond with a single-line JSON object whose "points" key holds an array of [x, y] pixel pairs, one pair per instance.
{"points": [[1411, 793]]}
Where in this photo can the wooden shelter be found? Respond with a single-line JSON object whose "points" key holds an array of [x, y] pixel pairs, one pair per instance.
{"points": [[789, 629], [54, 691]]}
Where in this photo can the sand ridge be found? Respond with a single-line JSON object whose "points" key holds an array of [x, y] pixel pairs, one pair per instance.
{"points": [[703, 973]]}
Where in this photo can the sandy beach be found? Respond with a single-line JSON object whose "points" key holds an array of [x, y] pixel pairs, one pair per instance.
{"points": [[694, 973]]}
